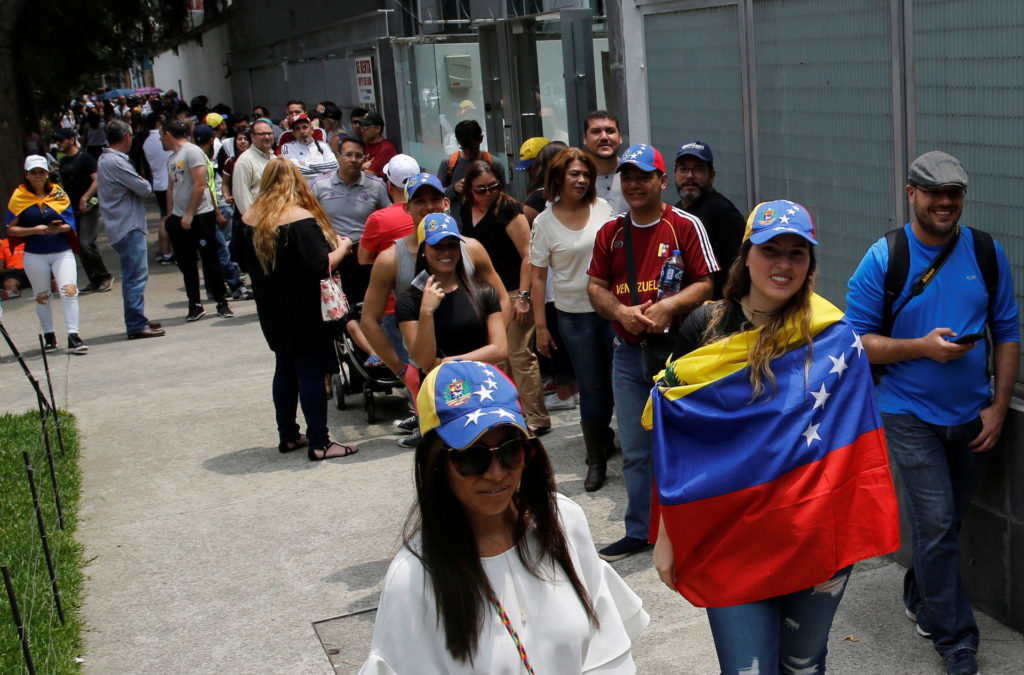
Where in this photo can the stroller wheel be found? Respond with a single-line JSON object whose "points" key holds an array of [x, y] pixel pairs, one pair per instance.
{"points": [[369, 407], [338, 390]]}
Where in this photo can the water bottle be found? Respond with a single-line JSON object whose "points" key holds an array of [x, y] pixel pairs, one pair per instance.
{"points": [[91, 204], [670, 281]]}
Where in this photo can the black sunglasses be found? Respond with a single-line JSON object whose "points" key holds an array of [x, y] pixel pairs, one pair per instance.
{"points": [[475, 459], [484, 189]]}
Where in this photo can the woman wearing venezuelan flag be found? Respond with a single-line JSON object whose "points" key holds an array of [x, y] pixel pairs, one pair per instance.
{"points": [[770, 464], [40, 213]]}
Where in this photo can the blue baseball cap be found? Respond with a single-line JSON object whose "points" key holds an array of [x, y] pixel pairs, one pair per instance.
{"points": [[463, 400], [416, 181], [435, 227], [770, 219], [643, 156], [698, 149]]}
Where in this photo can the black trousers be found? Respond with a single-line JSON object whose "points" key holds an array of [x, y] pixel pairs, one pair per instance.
{"points": [[200, 239]]}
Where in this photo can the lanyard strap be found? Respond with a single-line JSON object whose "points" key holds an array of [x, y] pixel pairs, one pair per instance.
{"points": [[511, 631]]}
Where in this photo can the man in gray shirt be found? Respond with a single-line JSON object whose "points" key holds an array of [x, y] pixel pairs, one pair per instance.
{"points": [[120, 191], [348, 197], [192, 220]]}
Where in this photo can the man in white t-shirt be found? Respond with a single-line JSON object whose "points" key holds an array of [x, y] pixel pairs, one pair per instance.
{"points": [[601, 137], [157, 156]]}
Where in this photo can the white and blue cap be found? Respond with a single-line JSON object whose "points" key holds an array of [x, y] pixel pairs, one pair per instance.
{"points": [[435, 227], [463, 400], [643, 156], [770, 219]]}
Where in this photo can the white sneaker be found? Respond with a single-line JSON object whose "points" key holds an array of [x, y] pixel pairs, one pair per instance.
{"points": [[920, 631], [552, 402]]}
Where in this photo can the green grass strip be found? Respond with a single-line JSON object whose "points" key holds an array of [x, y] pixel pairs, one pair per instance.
{"points": [[54, 646]]}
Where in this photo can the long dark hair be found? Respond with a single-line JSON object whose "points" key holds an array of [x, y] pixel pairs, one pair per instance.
{"points": [[448, 547], [771, 340], [477, 169], [474, 289]]}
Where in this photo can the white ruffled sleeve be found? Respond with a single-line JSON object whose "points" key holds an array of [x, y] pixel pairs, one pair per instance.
{"points": [[405, 633], [619, 610]]}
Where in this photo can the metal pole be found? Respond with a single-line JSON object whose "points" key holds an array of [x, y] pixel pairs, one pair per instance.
{"points": [[42, 535], [49, 457], [17, 620], [53, 401], [21, 360]]}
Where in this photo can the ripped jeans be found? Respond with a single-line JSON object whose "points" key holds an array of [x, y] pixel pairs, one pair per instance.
{"points": [[787, 634], [62, 265]]}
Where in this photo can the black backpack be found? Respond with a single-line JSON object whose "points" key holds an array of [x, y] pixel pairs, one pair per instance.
{"points": [[899, 268]]}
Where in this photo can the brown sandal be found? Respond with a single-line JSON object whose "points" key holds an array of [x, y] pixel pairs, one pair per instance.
{"points": [[320, 454]]}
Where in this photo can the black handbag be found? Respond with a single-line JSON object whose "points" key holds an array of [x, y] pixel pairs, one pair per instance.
{"points": [[658, 348]]}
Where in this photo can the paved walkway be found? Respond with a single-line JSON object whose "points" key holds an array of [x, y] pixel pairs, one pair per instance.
{"points": [[210, 552]]}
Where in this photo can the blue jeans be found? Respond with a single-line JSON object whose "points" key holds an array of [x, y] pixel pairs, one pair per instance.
{"points": [[227, 267], [588, 339], [299, 380], [131, 249], [394, 336], [631, 390], [785, 634], [939, 473]]}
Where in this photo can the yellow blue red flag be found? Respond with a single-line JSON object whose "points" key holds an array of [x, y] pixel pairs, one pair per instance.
{"points": [[57, 200], [773, 495]]}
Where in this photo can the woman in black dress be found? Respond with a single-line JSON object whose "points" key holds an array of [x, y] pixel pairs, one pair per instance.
{"points": [[447, 315], [287, 246]]}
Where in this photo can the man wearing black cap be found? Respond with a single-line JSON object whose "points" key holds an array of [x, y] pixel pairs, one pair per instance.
{"points": [[78, 176], [695, 181], [930, 343], [379, 150]]}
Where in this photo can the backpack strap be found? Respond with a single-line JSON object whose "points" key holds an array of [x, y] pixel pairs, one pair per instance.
{"points": [[985, 254], [895, 275], [452, 161]]}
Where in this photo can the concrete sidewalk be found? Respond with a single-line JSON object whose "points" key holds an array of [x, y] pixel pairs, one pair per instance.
{"points": [[210, 552]]}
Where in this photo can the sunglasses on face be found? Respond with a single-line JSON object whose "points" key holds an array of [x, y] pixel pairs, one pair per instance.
{"points": [[475, 460], [484, 189]]}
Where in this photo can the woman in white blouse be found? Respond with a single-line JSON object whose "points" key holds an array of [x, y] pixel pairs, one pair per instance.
{"points": [[498, 573], [562, 244]]}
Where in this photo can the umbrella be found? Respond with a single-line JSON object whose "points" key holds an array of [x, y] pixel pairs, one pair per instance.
{"points": [[146, 91], [114, 93]]}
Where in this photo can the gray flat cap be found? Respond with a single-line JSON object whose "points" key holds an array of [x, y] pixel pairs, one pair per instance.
{"points": [[935, 169]]}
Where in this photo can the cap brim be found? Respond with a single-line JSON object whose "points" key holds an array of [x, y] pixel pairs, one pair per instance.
{"points": [[461, 432], [524, 164], [432, 240], [640, 165], [762, 236]]}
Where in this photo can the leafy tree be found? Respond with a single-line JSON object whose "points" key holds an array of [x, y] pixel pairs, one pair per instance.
{"points": [[52, 50]]}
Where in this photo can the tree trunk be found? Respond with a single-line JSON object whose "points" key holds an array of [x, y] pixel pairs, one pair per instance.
{"points": [[12, 129]]}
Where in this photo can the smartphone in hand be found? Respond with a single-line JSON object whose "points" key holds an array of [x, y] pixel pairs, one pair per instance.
{"points": [[967, 339]]}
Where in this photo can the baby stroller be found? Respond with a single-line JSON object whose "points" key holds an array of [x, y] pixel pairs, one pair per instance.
{"points": [[355, 376]]}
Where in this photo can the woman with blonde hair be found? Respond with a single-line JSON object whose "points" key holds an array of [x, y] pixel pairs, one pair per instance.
{"points": [[769, 460], [287, 246]]}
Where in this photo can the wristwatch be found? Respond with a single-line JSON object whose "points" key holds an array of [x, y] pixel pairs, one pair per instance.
{"points": [[524, 295]]}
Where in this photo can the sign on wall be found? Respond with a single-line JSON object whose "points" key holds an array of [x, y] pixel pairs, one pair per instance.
{"points": [[364, 82]]}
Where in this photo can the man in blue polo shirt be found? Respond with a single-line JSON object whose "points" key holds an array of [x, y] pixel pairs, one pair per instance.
{"points": [[939, 413]]}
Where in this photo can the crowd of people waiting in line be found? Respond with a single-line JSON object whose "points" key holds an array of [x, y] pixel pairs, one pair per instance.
{"points": [[475, 301]]}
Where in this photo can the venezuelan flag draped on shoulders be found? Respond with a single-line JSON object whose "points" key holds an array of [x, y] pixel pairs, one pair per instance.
{"points": [[57, 199], [767, 497]]}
